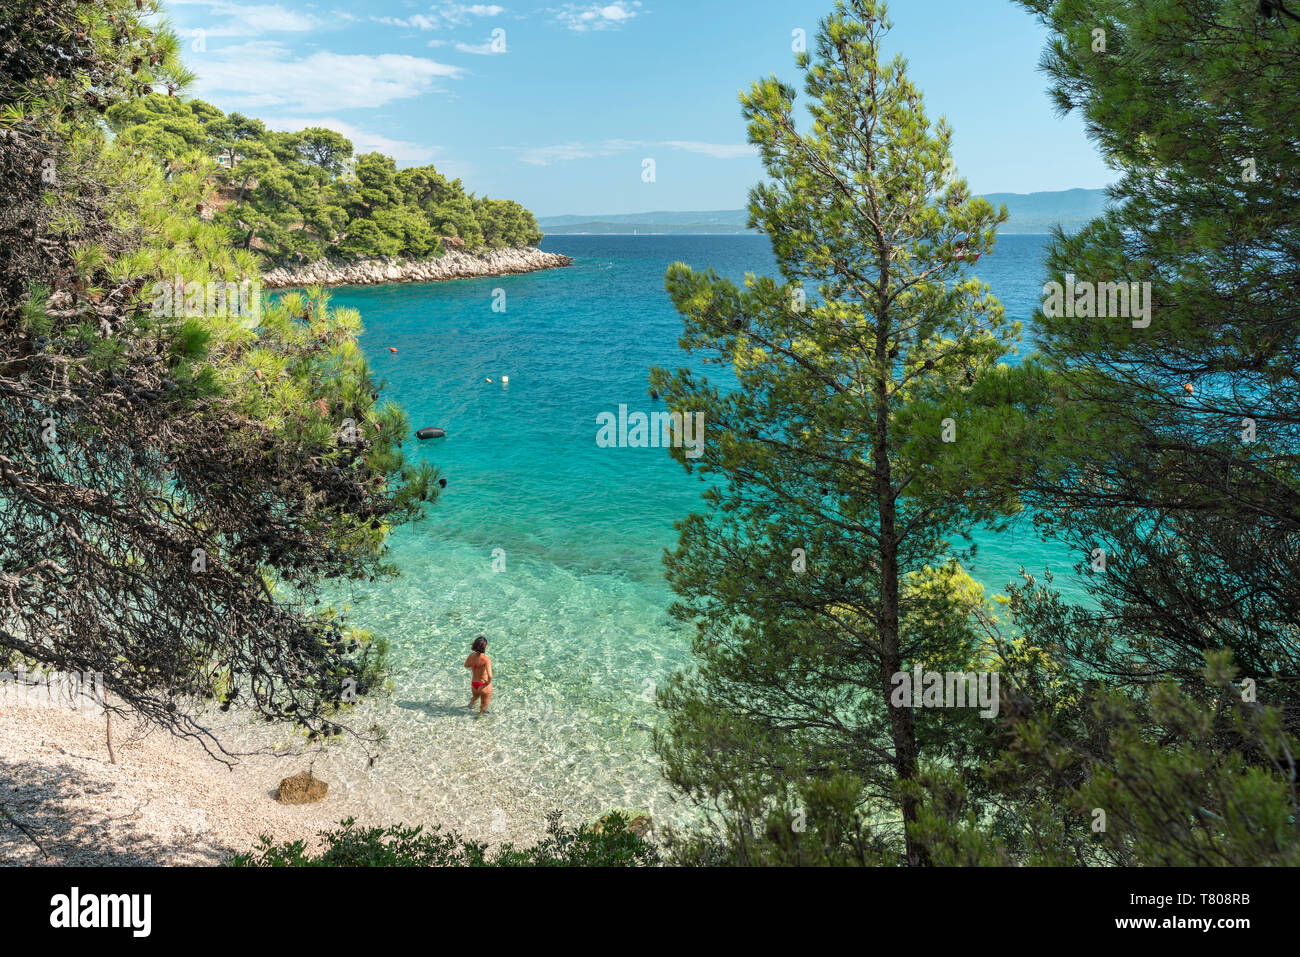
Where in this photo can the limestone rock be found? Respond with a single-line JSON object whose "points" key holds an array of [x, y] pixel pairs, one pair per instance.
{"points": [[452, 264], [302, 788]]}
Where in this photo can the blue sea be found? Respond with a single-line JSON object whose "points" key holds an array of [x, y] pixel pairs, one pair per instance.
{"points": [[547, 544]]}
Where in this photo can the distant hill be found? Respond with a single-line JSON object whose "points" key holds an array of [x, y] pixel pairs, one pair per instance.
{"points": [[1039, 212], [708, 221], [1026, 213]]}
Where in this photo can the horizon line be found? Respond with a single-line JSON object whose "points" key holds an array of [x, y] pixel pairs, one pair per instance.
{"points": [[655, 212]]}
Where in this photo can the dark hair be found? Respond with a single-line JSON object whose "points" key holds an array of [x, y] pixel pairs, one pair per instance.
{"points": [[480, 644]]}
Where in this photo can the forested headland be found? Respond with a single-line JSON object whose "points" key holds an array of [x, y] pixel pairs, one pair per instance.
{"points": [[299, 197]]}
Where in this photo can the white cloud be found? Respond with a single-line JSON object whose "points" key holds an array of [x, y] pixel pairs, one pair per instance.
{"points": [[417, 22], [567, 152], [363, 141], [489, 47], [259, 74], [716, 150], [225, 18], [444, 14], [596, 16], [451, 10], [561, 153]]}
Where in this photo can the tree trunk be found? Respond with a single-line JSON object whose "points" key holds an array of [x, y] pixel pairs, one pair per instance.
{"points": [[901, 720]]}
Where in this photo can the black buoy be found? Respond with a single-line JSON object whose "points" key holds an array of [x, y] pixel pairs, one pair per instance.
{"points": [[442, 483], [431, 433]]}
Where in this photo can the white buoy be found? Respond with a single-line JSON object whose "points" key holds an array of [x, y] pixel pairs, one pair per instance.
{"points": [[505, 380]]}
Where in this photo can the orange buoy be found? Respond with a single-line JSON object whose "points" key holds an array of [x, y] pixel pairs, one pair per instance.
{"points": [[392, 348], [1189, 388]]}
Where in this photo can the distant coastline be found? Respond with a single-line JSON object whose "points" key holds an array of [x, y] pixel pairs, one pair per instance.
{"points": [[1028, 214], [1042, 231], [453, 264]]}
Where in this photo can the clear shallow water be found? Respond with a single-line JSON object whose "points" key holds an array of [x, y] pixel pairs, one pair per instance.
{"points": [[577, 622]]}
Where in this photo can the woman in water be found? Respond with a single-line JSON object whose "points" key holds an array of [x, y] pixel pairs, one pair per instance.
{"points": [[481, 677]]}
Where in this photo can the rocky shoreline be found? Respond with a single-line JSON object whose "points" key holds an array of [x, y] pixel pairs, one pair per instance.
{"points": [[453, 264]]}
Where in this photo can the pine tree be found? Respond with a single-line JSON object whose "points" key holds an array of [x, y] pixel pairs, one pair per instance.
{"points": [[1161, 441], [844, 459], [1169, 440]]}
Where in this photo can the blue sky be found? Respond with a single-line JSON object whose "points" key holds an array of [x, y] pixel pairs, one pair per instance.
{"points": [[559, 105]]}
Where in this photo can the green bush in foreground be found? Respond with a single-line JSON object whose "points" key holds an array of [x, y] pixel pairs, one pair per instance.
{"points": [[609, 843]]}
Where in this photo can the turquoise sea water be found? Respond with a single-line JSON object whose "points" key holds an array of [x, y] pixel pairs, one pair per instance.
{"points": [[577, 618]]}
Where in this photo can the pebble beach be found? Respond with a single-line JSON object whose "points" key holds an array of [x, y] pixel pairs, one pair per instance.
{"points": [[165, 800]]}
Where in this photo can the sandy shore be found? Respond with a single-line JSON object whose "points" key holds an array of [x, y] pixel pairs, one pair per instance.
{"points": [[164, 801]]}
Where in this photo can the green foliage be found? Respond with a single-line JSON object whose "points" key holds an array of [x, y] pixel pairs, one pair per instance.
{"points": [[504, 222], [1172, 442], [1168, 781], [798, 821], [301, 196], [75, 61], [611, 844], [218, 462], [1167, 734]]}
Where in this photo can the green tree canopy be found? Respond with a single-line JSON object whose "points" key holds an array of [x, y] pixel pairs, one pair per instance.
{"points": [[182, 465], [303, 195]]}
